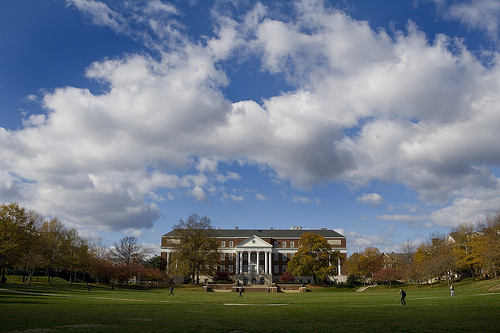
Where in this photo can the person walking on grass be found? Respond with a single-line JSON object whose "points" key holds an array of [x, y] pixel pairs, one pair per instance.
{"points": [[171, 291], [241, 290], [452, 289], [403, 296]]}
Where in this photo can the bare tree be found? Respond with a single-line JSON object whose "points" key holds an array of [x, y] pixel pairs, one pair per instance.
{"points": [[408, 248], [128, 251]]}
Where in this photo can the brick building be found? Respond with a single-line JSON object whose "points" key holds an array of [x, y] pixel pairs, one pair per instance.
{"points": [[261, 256]]}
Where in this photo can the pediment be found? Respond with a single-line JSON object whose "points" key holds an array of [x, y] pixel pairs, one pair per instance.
{"points": [[254, 242]]}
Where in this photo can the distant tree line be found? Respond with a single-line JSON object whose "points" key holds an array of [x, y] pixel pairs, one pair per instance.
{"points": [[31, 245], [470, 250]]}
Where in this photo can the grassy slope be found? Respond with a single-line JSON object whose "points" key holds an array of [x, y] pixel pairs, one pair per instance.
{"points": [[190, 310]]}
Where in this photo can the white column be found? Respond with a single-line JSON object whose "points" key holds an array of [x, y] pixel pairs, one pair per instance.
{"points": [[258, 262], [249, 265], [237, 263], [266, 262], [241, 262], [338, 267]]}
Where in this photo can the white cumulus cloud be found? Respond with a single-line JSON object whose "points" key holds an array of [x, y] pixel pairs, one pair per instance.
{"points": [[374, 199]]}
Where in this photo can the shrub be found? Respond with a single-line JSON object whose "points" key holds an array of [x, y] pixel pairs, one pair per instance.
{"points": [[222, 276], [287, 277]]}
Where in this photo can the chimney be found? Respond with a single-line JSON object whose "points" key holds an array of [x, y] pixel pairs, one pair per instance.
{"points": [[236, 227]]}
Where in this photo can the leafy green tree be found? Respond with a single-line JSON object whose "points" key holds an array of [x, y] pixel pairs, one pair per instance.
{"points": [[488, 243], [314, 257], [16, 227], [53, 236], [434, 259], [371, 261], [353, 266], [366, 263], [468, 248], [196, 251], [75, 255], [156, 262], [30, 254]]}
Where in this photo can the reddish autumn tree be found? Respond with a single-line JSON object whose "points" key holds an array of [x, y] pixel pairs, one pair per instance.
{"points": [[385, 275], [287, 277]]}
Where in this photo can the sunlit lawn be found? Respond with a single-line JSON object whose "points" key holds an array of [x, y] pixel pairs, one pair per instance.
{"points": [[71, 308]]}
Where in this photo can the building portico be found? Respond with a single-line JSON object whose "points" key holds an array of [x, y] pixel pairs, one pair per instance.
{"points": [[253, 256]]}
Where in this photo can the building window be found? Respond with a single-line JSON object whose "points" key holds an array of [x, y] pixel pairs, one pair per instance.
{"points": [[261, 256], [222, 256], [230, 256], [231, 244], [230, 268], [284, 268], [222, 268], [283, 257], [275, 243], [292, 244], [276, 269], [223, 244], [245, 268], [283, 244], [245, 255], [276, 256]]}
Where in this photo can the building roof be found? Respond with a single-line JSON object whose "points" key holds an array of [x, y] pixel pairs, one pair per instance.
{"points": [[266, 233], [396, 256]]}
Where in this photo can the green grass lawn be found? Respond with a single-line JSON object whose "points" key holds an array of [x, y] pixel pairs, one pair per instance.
{"points": [[71, 308]]}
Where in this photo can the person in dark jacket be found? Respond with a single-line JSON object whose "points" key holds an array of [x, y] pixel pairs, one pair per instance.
{"points": [[403, 296]]}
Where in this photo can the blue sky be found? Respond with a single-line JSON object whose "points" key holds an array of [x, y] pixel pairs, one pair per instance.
{"points": [[377, 119]]}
